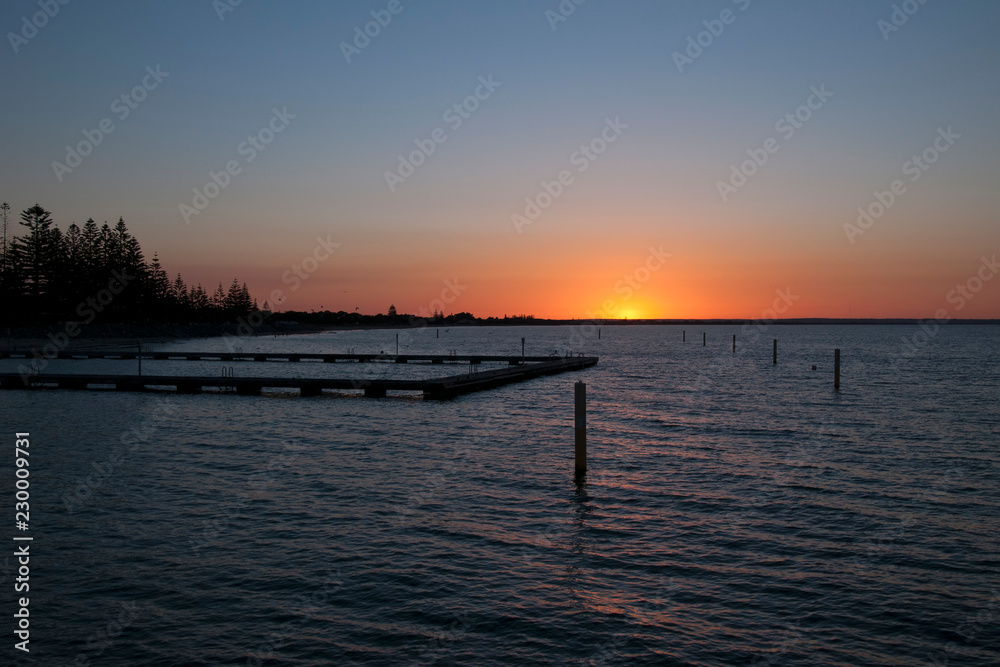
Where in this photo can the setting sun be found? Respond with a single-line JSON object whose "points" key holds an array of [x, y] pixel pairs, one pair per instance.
{"points": [[635, 312]]}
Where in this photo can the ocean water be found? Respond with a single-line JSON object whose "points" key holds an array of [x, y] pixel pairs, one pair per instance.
{"points": [[734, 513]]}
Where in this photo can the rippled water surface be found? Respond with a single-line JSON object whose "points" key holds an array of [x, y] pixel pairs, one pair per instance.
{"points": [[735, 512]]}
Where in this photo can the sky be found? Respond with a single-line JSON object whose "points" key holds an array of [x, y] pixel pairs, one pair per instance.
{"points": [[606, 159]]}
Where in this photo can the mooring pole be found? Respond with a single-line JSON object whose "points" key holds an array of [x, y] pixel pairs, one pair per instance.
{"points": [[581, 428], [684, 336], [522, 349], [775, 350], [734, 343], [704, 339], [836, 368], [598, 333]]}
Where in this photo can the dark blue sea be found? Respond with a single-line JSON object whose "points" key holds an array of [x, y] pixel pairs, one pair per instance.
{"points": [[735, 512]]}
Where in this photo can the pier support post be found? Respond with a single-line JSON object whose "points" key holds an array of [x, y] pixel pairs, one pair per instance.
{"points": [[581, 428], [775, 351], [836, 368]]}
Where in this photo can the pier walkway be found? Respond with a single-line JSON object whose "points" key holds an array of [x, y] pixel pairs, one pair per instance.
{"points": [[519, 370], [289, 356]]}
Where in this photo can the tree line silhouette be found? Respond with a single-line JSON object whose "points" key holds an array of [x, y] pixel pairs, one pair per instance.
{"points": [[48, 275]]}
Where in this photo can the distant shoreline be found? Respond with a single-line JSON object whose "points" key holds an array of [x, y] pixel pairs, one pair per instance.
{"points": [[729, 322]]}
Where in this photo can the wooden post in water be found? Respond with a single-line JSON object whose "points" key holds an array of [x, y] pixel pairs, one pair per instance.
{"points": [[836, 368], [439, 333], [522, 349], [397, 345], [775, 350], [704, 339], [684, 336], [598, 333], [734, 343], [581, 428]]}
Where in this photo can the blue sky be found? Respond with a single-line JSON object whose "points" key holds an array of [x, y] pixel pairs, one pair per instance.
{"points": [[324, 174]]}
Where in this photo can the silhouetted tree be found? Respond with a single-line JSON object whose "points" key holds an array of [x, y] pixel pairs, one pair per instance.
{"points": [[218, 299], [4, 212], [36, 254], [232, 302], [158, 287], [45, 274], [10, 280], [199, 300], [246, 303], [106, 245]]}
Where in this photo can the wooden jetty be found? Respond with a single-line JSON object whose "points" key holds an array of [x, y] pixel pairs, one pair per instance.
{"points": [[287, 356], [435, 388]]}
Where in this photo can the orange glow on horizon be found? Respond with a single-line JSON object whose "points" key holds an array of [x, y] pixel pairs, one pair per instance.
{"points": [[553, 274]]}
